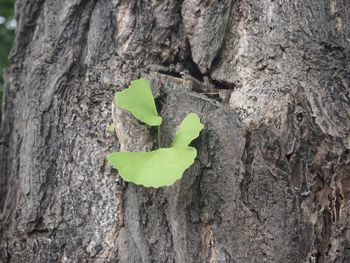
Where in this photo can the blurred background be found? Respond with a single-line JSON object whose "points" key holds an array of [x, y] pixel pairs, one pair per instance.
{"points": [[7, 30]]}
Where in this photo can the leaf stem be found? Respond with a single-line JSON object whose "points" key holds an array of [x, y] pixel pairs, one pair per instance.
{"points": [[158, 136]]}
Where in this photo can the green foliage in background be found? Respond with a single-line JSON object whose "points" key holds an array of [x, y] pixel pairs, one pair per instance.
{"points": [[7, 29], [161, 167]]}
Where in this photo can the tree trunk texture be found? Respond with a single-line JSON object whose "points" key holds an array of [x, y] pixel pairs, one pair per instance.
{"points": [[270, 81]]}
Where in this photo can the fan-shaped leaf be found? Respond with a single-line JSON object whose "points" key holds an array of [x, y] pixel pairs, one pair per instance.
{"points": [[189, 130], [164, 166], [138, 99], [158, 168]]}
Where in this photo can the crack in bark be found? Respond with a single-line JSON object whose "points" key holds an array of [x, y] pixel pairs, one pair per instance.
{"points": [[248, 160]]}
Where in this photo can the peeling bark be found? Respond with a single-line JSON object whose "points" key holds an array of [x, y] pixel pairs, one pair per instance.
{"points": [[272, 179]]}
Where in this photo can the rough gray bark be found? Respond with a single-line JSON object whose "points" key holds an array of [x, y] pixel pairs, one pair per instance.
{"points": [[272, 179]]}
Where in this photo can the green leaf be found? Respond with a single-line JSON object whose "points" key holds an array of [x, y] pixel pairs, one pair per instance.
{"points": [[111, 128], [158, 168], [164, 166], [138, 99], [189, 129]]}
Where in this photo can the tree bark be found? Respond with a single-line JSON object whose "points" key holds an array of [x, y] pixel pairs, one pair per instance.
{"points": [[270, 81]]}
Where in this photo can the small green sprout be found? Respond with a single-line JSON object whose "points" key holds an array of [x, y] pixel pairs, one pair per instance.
{"points": [[111, 128], [161, 167]]}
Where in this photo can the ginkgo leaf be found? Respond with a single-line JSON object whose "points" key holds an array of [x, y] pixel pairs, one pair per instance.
{"points": [[189, 130], [161, 167], [158, 168], [164, 166], [138, 100]]}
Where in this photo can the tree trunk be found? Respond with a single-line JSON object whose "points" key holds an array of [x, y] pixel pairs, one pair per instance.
{"points": [[270, 81]]}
